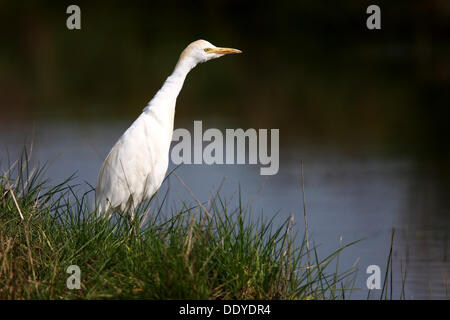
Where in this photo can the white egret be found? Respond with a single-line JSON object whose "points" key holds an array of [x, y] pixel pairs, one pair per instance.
{"points": [[136, 165]]}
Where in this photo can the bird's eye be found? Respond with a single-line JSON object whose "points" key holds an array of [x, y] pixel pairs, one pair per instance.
{"points": [[207, 49]]}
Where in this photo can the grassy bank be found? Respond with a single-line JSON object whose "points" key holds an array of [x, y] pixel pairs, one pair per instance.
{"points": [[201, 251]]}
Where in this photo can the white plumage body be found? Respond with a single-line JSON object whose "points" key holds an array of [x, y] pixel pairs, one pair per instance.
{"points": [[136, 165]]}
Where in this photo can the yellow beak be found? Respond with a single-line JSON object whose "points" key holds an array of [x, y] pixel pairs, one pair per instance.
{"points": [[224, 50]]}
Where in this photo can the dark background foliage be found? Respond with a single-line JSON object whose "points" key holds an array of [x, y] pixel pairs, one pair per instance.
{"points": [[311, 68]]}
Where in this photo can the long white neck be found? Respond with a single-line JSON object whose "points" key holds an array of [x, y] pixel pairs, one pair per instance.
{"points": [[165, 99]]}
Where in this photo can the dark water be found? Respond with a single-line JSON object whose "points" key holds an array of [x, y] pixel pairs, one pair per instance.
{"points": [[347, 195]]}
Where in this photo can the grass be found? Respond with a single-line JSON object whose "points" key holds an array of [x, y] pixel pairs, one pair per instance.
{"points": [[202, 251]]}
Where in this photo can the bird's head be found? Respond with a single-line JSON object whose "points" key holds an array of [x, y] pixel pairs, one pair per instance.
{"points": [[201, 51]]}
